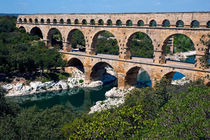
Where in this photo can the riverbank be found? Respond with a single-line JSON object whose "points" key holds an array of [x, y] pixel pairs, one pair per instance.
{"points": [[22, 88]]}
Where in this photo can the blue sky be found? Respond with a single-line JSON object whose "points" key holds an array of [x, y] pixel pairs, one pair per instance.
{"points": [[102, 6]]}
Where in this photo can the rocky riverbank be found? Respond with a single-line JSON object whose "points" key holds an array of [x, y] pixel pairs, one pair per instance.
{"points": [[22, 88], [115, 98]]}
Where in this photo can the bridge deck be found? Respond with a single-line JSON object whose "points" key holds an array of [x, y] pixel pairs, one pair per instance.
{"points": [[138, 60]]}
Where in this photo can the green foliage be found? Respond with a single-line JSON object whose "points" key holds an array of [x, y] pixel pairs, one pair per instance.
{"points": [[106, 44], [185, 116], [77, 38], [81, 81], [183, 43], [121, 123], [21, 52], [141, 45]]}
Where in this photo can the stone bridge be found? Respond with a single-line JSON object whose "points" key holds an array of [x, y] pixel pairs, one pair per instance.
{"points": [[158, 26]]}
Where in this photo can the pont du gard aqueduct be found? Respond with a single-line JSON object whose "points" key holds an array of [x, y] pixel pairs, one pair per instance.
{"points": [[158, 26]]}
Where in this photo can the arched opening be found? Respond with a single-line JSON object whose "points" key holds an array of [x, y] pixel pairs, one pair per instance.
{"points": [[30, 20], [175, 78], [92, 22], [54, 38], [179, 23], [76, 63], [104, 72], [54, 21], [20, 20], [208, 24], [61, 21], [195, 24], [129, 23], [152, 23], [104, 42], [36, 32], [36, 21], [84, 22], [25, 20], [140, 45], [42, 21], [166, 23], [48, 21], [119, 23], [179, 47], [76, 41], [109, 22], [22, 29], [208, 84], [76, 21], [68, 21], [100, 22], [137, 77], [140, 23]]}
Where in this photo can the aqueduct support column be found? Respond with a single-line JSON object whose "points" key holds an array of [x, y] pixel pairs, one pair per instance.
{"points": [[87, 68], [124, 50], [201, 56], [159, 56], [121, 80]]}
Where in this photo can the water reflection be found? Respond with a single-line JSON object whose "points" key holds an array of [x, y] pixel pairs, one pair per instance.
{"points": [[77, 99]]}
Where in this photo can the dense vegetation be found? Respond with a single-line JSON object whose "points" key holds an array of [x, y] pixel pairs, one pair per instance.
{"points": [[23, 53], [32, 123], [165, 113]]}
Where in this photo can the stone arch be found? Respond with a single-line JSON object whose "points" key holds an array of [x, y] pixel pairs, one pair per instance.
{"points": [[179, 23], [68, 21], [42, 21], [25, 20], [129, 23], [92, 22], [109, 22], [153, 23], [36, 31], [76, 21], [61, 21], [131, 77], [50, 41], [140, 23], [135, 39], [170, 48], [208, 24], [195, 24], [119, 22], [174, 75], [71, 46], [54, 21], [100, 22], [30, 20], [20, 20], [94, 43], [166, 23], [22, 29], [36, 21], [77, 63], [84, 22], [98, 71], [48, 21]]}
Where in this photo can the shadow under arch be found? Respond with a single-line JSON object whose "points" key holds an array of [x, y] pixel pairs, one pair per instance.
{"points": [[104, 42], [176, 46], [104, 72], [140, 45], [22, 29], [36, 31], [138, 77], [75, 62], [76, 41], [54, 38]]}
